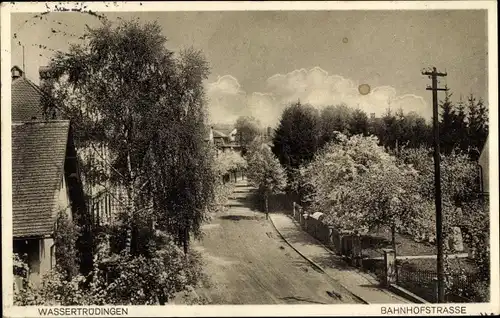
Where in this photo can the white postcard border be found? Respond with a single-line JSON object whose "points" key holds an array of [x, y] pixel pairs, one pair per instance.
{"points": [[248, 310]]}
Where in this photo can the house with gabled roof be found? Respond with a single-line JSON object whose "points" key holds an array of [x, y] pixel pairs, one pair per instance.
{"points": [[26, 98], [45, 181], [28, 105], [223, 137]]}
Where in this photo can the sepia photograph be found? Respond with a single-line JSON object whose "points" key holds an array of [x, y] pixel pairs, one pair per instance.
{"points": [[158, 155]]}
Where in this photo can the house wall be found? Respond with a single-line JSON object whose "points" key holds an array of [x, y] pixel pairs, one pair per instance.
{"points": [[40, 256], [62, 199], [46, 255], [232, 135], [485, 166]]}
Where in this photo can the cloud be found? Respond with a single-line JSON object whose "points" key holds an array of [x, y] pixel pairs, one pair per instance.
{"points": [[226, 99], [315, 86]]}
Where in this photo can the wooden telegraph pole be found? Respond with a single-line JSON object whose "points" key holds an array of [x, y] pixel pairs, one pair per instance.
{"points": [[433, 75]]}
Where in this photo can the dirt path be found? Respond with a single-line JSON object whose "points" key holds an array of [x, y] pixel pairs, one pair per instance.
{"points": [[248, 263]]}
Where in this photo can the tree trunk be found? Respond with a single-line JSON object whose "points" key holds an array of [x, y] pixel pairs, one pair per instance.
{"points": [[186, 239], [128, 238], [266, 202], [393, 237], [130, 188]]}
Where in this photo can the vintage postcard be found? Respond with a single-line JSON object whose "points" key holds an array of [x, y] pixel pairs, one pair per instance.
{"points": [[249, 158]]}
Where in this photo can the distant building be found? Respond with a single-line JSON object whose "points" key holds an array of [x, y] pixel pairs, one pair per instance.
{"points": [[223, 137], [45, 181]]}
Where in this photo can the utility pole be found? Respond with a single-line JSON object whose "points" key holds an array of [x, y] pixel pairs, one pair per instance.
{"points": [[24, 66], [433, 75]]}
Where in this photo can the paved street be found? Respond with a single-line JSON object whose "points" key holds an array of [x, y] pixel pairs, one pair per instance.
{"points": [[248, 263], [359, 283]]}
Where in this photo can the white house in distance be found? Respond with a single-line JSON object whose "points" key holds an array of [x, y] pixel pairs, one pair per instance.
{"points": [[484, 165], [223, 137]]}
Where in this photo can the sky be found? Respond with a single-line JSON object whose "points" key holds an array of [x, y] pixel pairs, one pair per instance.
{"points": [[262, 61]]}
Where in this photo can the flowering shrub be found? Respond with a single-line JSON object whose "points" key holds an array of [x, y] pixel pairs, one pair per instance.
{"points": [[54, 289], [222, 193], [462, 206], [120, 279], [359, 186], [148, 281], [65, 236], [229, 161], [20, 266]]}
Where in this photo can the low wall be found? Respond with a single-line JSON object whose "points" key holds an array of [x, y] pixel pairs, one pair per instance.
{"points": [[342, 244]]}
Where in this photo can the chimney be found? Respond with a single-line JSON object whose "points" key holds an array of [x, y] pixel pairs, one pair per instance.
{"points": [[16, 72], [269, 131], [44, 74]]}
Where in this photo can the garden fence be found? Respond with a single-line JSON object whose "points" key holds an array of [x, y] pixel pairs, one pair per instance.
{"points": [[423, 283]]}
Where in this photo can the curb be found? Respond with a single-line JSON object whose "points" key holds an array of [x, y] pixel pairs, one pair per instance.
{"points": [[316, 265], [358, 271]]}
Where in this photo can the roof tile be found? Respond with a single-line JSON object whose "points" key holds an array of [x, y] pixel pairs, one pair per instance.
{"points": [[38, 154], [26, 100]]}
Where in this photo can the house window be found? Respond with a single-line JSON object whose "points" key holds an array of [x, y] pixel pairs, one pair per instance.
{"points": [[52, 256]]}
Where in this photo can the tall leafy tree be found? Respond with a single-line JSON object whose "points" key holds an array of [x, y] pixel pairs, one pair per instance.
{"points": [[334, 119], [265, 173], [447, 133], [144, 105], [416, 130], [460, 125], [359, 122], [297, 137], [477, 125], [389, 131], [247, 129]]}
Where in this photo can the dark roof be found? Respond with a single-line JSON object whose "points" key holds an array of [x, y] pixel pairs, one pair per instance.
{"points": [[38, 156], [219, 134], [26, 100], [225, 129]]}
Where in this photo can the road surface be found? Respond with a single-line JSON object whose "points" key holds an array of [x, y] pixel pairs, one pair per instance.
{"points": [[248, 263]]}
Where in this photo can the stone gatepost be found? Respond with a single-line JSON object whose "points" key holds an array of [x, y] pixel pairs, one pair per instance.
{"points": [[456, 241], [343, 242], [472, 252], [356, 250], [435, 289], [305, 216], [294, 211], [332, 239], [390, 266]]}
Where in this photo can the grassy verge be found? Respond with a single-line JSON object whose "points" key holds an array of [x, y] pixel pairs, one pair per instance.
{"points": [[455, 265], [374, 242]]}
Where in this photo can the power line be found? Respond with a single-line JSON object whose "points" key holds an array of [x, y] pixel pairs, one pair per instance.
{"points": [[433, 75]]}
